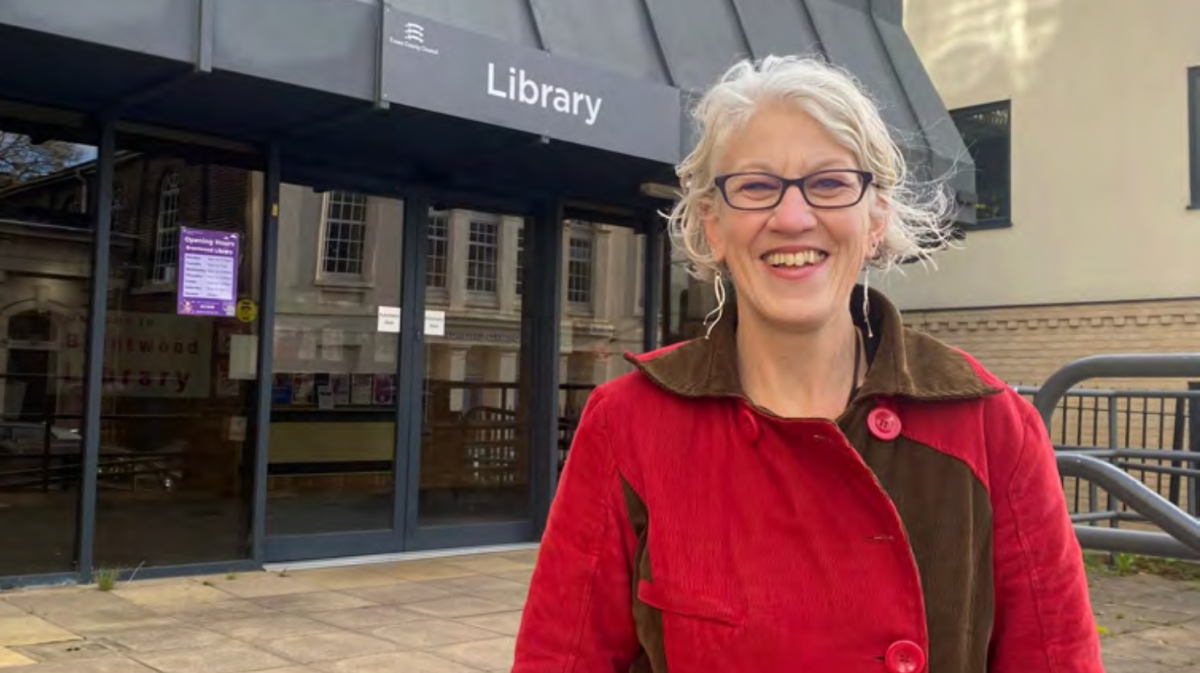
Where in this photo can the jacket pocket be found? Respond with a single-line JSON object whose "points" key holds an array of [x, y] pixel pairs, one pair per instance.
{"points": [[675, 600], [698, 632]]}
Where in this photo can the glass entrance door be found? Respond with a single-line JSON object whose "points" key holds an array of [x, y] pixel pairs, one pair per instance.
{"points": [[385, 439], [331, 484], [475, 416]]}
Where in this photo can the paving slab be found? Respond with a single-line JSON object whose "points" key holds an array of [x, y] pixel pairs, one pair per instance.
{"points": [[31, 630], [316, 601], [9, 658], [232, 658], [329, 646], [165, 594], [482, 654], [366, 618], [160, 638]]}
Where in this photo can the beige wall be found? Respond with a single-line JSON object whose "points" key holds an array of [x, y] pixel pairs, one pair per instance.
{"points": [[1099, 149]]}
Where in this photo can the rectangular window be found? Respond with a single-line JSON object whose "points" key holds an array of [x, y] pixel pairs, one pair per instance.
{"points": [[521, 259], [345, 233], [438, 246], [579, 271], [986, 131], [481, 255]]}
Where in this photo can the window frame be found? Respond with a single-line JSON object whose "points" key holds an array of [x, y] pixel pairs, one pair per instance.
{"points": [[443, 219], [496, 224], [365, 278], [170, 186], [1005, 105], [519, 274], [1193, 106], [582, 234]]}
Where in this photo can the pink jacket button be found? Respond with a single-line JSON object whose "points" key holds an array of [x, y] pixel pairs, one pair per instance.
{"points": [[884, 423], [749, 424], [905, 656]]}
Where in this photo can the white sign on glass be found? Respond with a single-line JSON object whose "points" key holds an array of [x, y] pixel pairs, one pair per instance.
{"points": [[435, 323], [389, 318]]}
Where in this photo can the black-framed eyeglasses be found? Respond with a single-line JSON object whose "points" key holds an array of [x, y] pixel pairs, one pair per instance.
{"points": [[832, 188]]}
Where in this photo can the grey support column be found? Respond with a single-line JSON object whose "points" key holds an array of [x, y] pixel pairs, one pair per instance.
{"points": [[93, 378], [544, 290], [410, 360], [266, 347], [653, 281]]}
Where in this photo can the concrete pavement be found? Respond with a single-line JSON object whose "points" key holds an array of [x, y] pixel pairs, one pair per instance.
{"points": [[445, 615]]}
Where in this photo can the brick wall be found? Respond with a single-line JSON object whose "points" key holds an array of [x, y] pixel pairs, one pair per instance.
{"points": [[1024, 345]]}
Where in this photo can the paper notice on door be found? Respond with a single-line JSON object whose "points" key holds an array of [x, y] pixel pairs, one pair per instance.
{"points": [[237, 429], [389, 319], [435, 323], [325, 399], [243, 357]]}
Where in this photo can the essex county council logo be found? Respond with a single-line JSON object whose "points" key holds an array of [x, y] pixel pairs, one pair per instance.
{"points": [[413, 37]]}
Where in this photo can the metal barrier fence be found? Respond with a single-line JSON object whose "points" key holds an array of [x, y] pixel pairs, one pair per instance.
{"points": [[1109, 467], [1148, 434]]}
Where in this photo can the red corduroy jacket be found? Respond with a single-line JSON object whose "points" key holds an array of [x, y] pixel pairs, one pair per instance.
{"points": [[925, 530]]}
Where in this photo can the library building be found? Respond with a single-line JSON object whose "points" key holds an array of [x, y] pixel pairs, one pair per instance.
{"points": [[300, 280]]}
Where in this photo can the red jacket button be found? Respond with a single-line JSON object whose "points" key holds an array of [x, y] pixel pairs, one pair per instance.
{"points": [[749, 424], [884, 423], [905, 656]]}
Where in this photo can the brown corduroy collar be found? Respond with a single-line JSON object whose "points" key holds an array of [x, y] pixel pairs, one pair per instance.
{"points": [[907, 363]]}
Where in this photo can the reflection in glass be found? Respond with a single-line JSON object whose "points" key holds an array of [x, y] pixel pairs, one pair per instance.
{"points": [[602, 324], [333, 411], [45, 278], [177, 395], [475, 419], [685, 301]]}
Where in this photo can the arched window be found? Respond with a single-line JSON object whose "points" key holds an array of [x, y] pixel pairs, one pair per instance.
{"points": [[166, 230], [31, 326]]}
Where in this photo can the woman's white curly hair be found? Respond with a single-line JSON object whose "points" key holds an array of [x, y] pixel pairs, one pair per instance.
{"points": [[916, 217]]}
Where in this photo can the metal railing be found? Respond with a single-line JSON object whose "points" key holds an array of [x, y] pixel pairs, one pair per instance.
{"points": [[1109, 465], [1147, 433]]}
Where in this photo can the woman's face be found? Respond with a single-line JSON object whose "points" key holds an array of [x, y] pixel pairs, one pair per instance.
{"points": [[793, 265]]}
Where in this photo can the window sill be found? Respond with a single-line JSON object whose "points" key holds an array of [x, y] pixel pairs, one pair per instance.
{"points": [[484, 300], [1193, 206], [344, 283], [985, 225]]}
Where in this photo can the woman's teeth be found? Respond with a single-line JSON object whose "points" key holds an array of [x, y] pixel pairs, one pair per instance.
{"points": [[795, 259]]}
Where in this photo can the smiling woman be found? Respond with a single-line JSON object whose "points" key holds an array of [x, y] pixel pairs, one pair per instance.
{"points": [[810, 465]]}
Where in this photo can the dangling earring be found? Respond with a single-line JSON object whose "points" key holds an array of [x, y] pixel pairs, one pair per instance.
{"points": [[719, 289], [866, 309]]}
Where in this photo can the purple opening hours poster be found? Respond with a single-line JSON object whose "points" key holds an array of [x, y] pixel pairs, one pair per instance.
{"points": [[208, 265]]}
